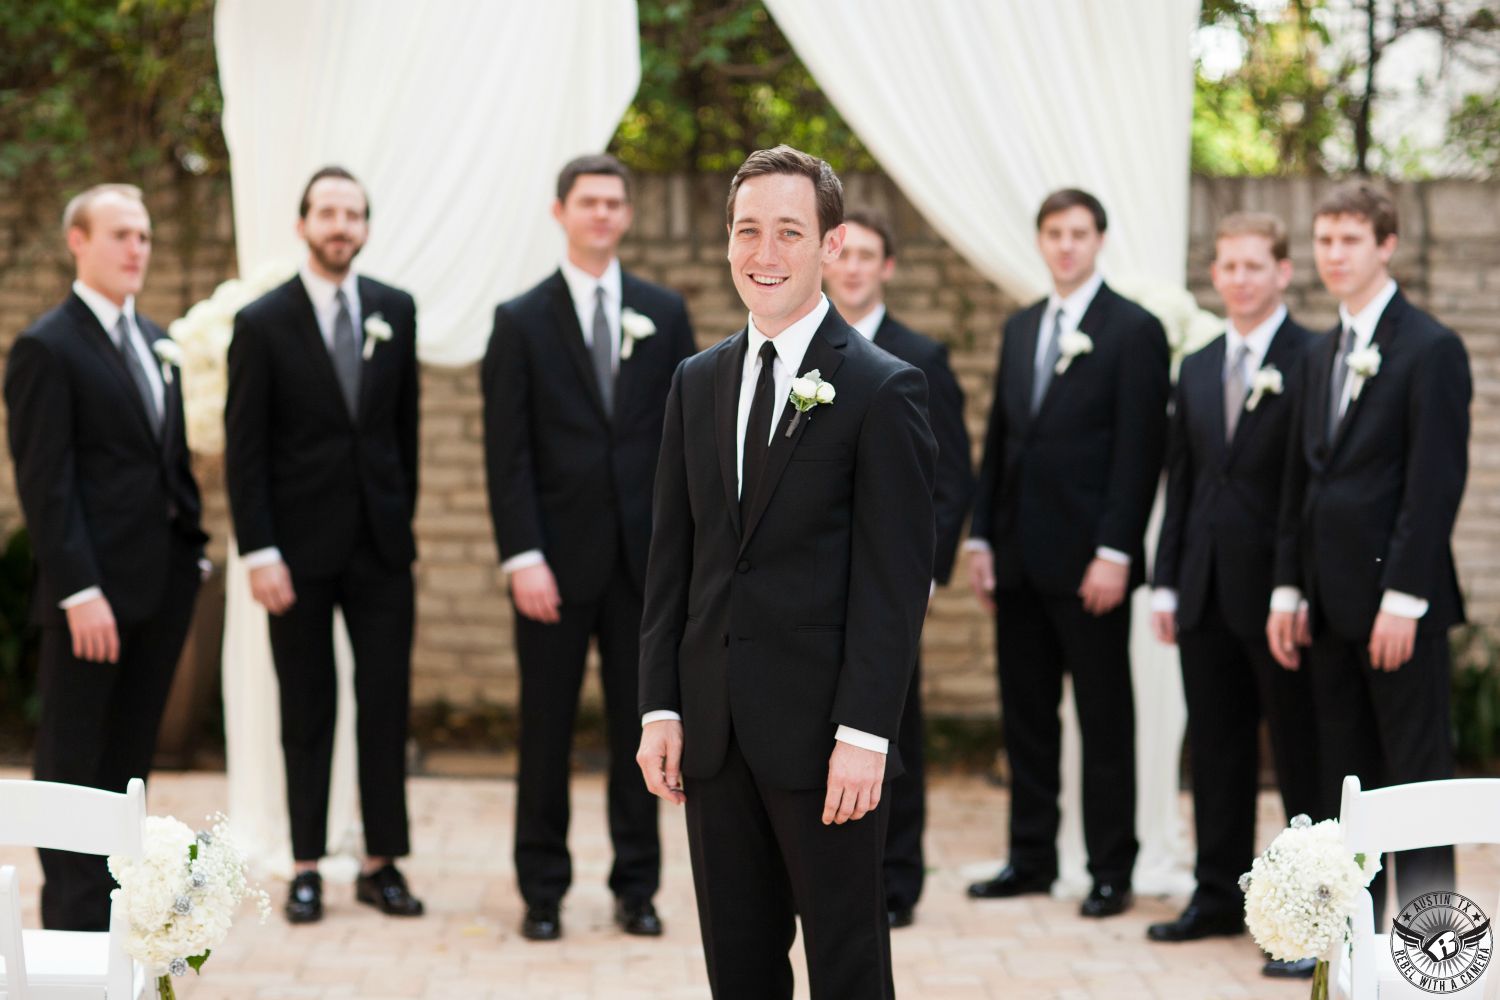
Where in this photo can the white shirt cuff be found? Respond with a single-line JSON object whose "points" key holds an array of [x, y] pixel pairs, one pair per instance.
{"points": [[660, 715], [1403, 605], [863, 740], [82, 597], [1164, 599], [531, 557], [1287, 599], [260, 558], [1112, 555], [976, 545]]}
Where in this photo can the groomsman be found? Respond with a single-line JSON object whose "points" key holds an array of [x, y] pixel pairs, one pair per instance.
{"points": [[575, 383], [321, 466], [856, 287], [790, 570], [1374, 476], [1071, 461], [1225, 457], [104, 477]]}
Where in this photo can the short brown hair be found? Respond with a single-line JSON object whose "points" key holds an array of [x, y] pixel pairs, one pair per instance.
{"points": [[76, 214], [877, 224], [324, 173], [1254, 224], [1365, 200], [593, 163], [827, 188], [1066, 198]]}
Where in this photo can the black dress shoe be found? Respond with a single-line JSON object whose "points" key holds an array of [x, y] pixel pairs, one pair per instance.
{"points": [[1297, 968], [1106, 899], [542, 923], [901, 916], [638, 917], [1011, 881], [1196, 922], [385, 889], [304, 903]]}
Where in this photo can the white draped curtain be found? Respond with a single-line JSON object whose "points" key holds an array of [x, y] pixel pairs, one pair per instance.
{"points": [[456, 116], [977, 109]]}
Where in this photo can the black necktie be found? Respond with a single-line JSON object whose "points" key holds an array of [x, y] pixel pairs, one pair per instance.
{"points": [[138, 374], [758, 429]]}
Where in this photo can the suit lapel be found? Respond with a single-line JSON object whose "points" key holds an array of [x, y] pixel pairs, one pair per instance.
{"points": [[1025, 355], [1095, 318], [311, 335], [566, 318], [1279, 355], [728, 369], [99, 340], [625, 375], [1385, 333], [1210, 398], [370, 304], [171, 393]]}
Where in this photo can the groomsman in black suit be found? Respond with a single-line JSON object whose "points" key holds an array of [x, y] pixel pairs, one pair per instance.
{"points": [[856, 286], [790, 570], [575, 383], [1225, 456], [1071, 461], [321, 465], [104, 477], [1373, 482]]}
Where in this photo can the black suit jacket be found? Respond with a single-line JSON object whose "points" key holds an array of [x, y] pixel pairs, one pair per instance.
{"points": [[299, 470], [1082, 473], [1223, 498], [102, 497], [563, 478], [1374, 510], [954, 489], [807, 615]]}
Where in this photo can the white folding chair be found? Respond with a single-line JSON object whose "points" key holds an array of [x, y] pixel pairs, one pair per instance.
{"points": [[69, 965], [12, 958], [1403, 818]]}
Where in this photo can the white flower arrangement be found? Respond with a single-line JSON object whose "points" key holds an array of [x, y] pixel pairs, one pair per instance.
{"points": [[377, 331], [634, 326], [808, 391], [180, 896], [1267, 382], [169, 355], [1071, 344], [1188, 327], [1364, 364]]}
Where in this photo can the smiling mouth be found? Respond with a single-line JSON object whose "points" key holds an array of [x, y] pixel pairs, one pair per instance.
{"points": [[766, 281]]}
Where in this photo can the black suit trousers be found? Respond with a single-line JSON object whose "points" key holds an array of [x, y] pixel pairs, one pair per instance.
{"points": [[552, 659], [1039, 638], [762, 857], [98, 728], [378, 607], [904, 865]]}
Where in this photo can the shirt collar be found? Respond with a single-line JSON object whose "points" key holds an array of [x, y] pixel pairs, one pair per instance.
{"points": [[581, 284], [323, 292], [103, 309], [869, 324], [1077, 302], [791, 343], [1365, 320], [1257, 340]]}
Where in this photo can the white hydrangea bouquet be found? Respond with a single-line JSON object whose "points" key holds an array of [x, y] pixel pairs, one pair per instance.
{"points": [[1300, 894], [180, 897]]}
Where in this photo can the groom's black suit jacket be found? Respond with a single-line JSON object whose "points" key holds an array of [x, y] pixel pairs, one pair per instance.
{"points": [[1374, 509], [300, 472], [1223, 498], [102, 497], [806, 615]]}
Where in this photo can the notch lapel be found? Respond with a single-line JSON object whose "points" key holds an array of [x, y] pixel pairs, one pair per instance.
{"points": [[99, 340], [625, 375], [306, 321], [1025, 349], [1095, 318], [1278, 356], [566, 318], [1385, 333], [1210, 397], [728, 367]]}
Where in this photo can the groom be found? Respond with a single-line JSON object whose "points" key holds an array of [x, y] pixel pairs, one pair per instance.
{"points": [[785, 592]]}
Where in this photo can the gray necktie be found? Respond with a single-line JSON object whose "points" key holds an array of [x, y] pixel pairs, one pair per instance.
{"points": [[603, 362], [1048, 364], [137, 371], [1234, 391], [346, 361], [1339, 375]]}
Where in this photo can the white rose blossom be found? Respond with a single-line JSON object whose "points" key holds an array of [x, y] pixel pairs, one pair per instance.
{"points": [[807, 392], [377, 331], [1364, 364], [169, 355], [633, 326], [1267, 382], [1071, 344]]}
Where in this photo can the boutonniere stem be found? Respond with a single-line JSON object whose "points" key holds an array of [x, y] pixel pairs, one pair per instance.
{"points": [[808, 391]]}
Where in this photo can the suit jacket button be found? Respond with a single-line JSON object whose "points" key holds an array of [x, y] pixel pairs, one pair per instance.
{"points": [[743, 567]]}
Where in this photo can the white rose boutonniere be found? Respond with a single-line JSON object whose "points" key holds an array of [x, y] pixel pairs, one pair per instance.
{"points": [[633, 326], [1364, 364], [376, 331], [1267, 382], [808, 391], [169, 354], [1071, 344]]}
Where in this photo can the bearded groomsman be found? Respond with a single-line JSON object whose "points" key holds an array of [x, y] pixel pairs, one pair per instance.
{"points": [[1375, 473], [1071, 461], [321, 466], [575, 383], [856, 287], [104, 478], [1225, 457]]}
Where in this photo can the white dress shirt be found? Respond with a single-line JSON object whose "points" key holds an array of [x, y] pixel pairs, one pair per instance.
{"points": [[869, 324]]}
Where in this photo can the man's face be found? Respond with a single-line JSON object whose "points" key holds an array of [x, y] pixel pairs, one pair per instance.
{"points": [[112, 255], [775, 254], [1350, 263], [856, 280], [1249, 278], [1069, 241], [335, 227], [595, 214]]}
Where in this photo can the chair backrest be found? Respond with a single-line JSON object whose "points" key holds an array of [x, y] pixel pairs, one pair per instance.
{"points": [[71, 817], [1421, 814], [13, 982]]}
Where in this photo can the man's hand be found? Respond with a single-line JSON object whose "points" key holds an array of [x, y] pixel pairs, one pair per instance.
{"points": [[1391, 641], [854, 777], [1285, 632], [1103, 586], [982, 577], [660, 759], [535, 592], [95, 637], [271, 586], [1164, 624]]}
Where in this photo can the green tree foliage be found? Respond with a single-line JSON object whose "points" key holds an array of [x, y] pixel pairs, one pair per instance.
{"points": [[1474, 130]]}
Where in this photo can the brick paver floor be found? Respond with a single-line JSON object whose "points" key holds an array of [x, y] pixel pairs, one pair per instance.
{"points": [[468, 946]]}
